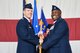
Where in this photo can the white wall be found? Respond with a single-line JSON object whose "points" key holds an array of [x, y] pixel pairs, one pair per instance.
{"points": [[12, 9]]}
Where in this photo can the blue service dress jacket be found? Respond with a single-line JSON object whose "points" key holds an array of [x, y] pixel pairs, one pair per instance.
{"points": [[57, 41], [27, 40]]}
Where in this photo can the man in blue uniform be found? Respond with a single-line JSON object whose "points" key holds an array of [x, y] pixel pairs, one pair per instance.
{"points": [[57, 40], [27, 40]]}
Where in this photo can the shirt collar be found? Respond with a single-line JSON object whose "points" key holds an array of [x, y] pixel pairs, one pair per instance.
{"points": [[27, 18], [54, 22]]}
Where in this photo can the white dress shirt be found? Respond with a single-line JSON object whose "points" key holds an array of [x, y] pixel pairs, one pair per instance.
{"points": [[27, 18], [52, 27]]}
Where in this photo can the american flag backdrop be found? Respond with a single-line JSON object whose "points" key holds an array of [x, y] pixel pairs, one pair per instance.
{"points": [[12, 10]]}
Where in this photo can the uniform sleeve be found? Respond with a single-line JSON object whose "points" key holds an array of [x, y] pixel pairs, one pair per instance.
{"points": [[23, 34], [55, 36]]}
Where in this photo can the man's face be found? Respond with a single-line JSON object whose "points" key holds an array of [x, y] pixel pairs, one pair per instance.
{"points": [[55, 14], [28, 13]]}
